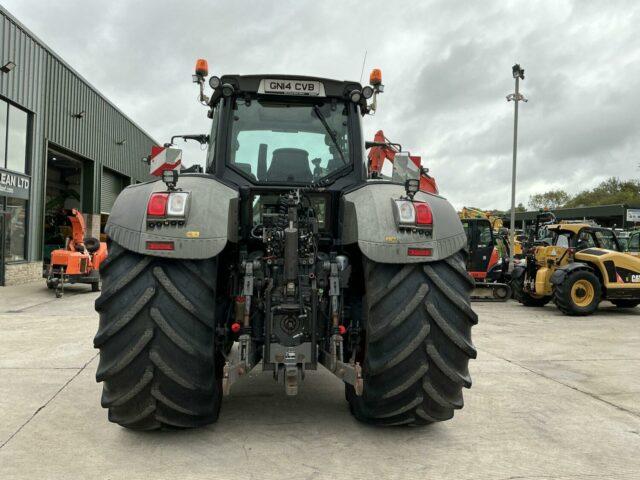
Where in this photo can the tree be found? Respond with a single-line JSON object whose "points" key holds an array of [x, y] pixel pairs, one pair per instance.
{"points": [[520, 208], [611, 191], [551, 199]]}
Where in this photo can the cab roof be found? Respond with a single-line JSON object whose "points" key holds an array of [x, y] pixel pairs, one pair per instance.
{"points": [[569, 227], [251, 83]]}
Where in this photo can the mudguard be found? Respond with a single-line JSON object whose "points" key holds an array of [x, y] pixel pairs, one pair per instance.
{"points": [[558, 276], [367, 218], [211, 220]]}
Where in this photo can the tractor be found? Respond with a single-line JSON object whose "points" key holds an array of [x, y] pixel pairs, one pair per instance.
{"points": [[285, 254], [577, 265]]}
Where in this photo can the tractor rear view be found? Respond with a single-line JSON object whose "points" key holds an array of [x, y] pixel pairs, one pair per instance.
{"points": [[285, 255]]}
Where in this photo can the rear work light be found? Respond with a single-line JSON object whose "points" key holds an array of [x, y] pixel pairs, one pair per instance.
{"points": [[173, 204], [410, 214]]}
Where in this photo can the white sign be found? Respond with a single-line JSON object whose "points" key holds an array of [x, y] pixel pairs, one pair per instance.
{"points": [[633, 215], [14, 184], [307, 88]]}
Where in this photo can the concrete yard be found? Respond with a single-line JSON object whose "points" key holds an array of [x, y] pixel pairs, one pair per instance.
{"points": [[553, 398]]}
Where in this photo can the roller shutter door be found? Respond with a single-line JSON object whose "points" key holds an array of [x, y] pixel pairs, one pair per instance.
{"points": [[111, 186]]}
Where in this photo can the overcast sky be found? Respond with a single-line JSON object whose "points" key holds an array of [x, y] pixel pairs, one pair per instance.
{"points": [[446, 69]]}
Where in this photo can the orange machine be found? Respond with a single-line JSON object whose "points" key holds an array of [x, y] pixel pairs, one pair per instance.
{"points": [[79, 261], [382, 149]]}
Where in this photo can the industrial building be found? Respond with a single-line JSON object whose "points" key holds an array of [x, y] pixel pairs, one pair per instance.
{"points": [[62, 145], [613, 216]]}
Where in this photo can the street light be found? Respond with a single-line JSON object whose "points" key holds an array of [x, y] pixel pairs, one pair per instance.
{"points": [[518, 74]]}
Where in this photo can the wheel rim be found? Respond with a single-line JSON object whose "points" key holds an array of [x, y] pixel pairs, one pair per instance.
{"points": [[582, 293]]}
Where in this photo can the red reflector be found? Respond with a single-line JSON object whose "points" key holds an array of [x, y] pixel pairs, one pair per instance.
{"points": [[419, 252], [342, 329], [157, 206], [235, 327], [159, 245], [423, 213]]}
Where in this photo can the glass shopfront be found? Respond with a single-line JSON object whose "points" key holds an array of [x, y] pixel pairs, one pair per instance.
{"points": [[15, 183]]}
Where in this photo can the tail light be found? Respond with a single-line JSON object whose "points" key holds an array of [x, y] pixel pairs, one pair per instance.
{"points": [[157, 206], [410, 214], [173, 204], [160, 246], [423, 214], [405, 212], [177, 205], [419, 252]]}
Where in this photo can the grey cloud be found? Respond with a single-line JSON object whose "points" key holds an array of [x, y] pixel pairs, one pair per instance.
{"points": [[446, 67]]}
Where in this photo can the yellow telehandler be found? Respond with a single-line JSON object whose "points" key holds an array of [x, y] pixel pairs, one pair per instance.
{"points": [[576, 265]]}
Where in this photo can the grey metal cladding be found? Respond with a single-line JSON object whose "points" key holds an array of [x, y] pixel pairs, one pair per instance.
{"points": [[213, 214], [367, 218], [52, 91]]}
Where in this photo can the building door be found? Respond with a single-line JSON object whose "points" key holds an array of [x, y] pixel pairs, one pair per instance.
{"points": [[111, 186], [64, 190]]}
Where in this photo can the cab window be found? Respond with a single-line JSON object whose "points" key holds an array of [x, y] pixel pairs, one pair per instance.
{"points": [[634, 243], [484, 235], [606, 239], [467, 232], [289, 142], [212, 139], [562, 240], [585, 240]]}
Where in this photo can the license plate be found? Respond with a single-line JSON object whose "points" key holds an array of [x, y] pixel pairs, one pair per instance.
{"points": [[308, 88]]}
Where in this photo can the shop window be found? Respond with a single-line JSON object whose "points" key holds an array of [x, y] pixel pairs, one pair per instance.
{"points": [[15, 239], [4, 108], [17, 140]]}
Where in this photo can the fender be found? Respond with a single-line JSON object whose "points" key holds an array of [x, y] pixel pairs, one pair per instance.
{"points": [[367, 219], [210, 223], [559, 275]]}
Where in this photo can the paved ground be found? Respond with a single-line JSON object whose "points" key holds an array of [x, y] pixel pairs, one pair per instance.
{"points": [[553, 398]]}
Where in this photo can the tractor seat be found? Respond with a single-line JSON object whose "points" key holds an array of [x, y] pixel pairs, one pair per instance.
{"points": [[245, 168], [289, 165]]}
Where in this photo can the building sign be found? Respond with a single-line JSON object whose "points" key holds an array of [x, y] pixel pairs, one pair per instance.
{"points": [[14, 184], [633, 215]]}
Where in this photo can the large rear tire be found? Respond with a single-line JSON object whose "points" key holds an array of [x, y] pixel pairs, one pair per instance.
{"points": [[578, 294], [158, 359], [525, 298], [418, 342]]}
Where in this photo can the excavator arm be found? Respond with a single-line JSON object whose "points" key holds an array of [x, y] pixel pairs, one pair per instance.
{"points": [[386, 150]]}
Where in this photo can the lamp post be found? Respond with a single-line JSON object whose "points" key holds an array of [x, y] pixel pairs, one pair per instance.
{"points": [[518, 74]]}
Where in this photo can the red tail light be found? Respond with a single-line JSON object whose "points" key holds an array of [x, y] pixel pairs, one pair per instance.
{"points": [[419, 252], [423, 214], [157, 206], [163, 246]]}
